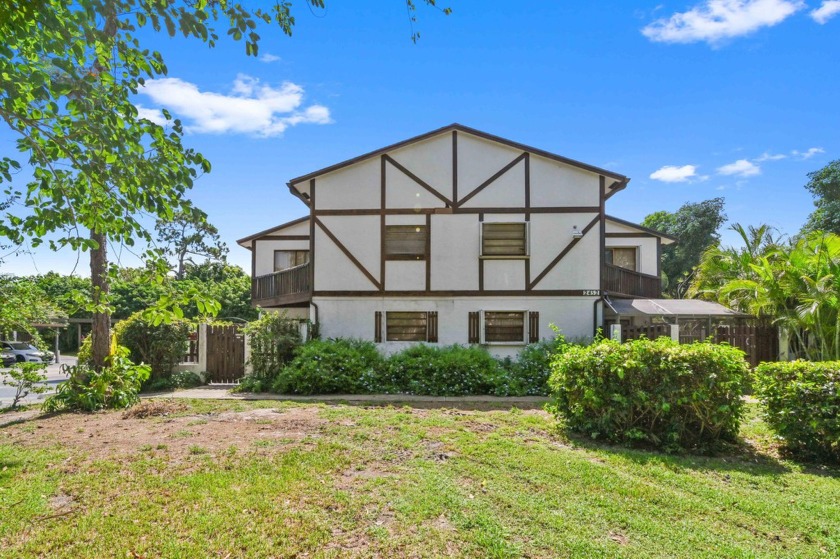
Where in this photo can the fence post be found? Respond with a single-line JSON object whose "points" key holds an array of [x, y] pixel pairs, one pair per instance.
{"points": [[675, 332], [784, 345], [615, 332], [202, 349], [249, 368]]}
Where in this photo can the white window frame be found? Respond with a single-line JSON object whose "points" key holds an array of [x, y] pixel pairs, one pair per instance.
{"points": [[525, 327], [527, 254]]}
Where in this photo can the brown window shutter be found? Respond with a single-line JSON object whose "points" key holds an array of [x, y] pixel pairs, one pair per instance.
{"points": [[533, 327], [474, 332], [433, 327], [377, 328]]}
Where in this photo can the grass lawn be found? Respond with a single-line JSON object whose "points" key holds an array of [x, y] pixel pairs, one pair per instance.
{"points": [[273, 479]]}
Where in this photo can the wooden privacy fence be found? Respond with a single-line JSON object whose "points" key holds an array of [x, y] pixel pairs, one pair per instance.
{"points": [[759, 342], [225, 354]]}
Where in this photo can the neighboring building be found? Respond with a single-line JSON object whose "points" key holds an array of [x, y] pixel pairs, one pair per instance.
{"points": [[455, 236]]}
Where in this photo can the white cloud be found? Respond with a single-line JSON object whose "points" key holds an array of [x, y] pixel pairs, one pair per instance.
{"points": [[251, 108], [740, 168], [672, 173], [828, 10], [767, 156], [811, 152], [268, 57], [153, 115], [714, 21]]}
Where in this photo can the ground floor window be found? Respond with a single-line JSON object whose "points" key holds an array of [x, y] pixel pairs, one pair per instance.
{"points": [[504, 326], [407, 326]]}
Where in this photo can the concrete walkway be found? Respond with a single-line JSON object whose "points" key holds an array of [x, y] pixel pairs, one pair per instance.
{"points": [[222, 392]]}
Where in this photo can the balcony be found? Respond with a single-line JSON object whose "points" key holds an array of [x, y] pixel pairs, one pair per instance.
{"points": [[285, 288], [621, 281]]}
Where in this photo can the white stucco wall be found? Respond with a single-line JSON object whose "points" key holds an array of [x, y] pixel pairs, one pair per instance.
{"points": [[349, 317], [265, 253], [646, 247]]}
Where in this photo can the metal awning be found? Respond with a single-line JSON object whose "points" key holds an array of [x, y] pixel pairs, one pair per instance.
{"points": [[683, 308]]}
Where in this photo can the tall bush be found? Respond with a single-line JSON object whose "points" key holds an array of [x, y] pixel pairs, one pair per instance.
{"points": [[273, 338], [115, 386], [527, 375], [160, 346], [331, 367], [658, 392], [801, 401], [442, 371]]}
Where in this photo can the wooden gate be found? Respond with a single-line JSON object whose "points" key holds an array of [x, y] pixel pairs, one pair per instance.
{"points": [[225, 354], [759, 342], [651, 332]]}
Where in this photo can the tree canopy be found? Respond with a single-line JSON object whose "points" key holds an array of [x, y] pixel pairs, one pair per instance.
{"points": [[824, 186], [695, 225]]}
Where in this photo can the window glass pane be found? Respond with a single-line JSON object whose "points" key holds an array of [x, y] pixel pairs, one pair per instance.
{"points": [[406, 326], [504, 239], [504, 326], [285, 259], [624, 258], [405, 242]]}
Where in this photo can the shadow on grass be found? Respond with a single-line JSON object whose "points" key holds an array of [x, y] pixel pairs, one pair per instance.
{"points": [[739, 457]]}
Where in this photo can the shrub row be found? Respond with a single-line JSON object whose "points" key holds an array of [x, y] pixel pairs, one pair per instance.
{"points": [[344, 366], [801, 401], [658, 393]]}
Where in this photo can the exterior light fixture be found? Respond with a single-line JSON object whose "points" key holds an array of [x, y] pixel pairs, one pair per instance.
{"points": [[576, 233]]}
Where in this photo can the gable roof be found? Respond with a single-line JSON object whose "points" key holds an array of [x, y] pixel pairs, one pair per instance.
{"points": [[642, 228], [620, 180], [247, 240]]}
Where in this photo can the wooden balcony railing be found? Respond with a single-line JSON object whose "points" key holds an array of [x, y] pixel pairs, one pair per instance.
{"points": [[285, 287], [627, 282]]}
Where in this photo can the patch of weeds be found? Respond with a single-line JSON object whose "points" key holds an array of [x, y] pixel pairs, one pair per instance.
{"points": [[161, 447], [195, 450], [182, 434], [145, 448], [262, 443], [197, 422]]}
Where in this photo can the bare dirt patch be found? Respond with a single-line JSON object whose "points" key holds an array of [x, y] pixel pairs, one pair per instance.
{"points": [[108, 434]]}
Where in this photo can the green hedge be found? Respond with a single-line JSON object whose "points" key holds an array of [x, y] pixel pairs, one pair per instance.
{"points": [[441, 371], [331, 367], [801, 401], [658, 392]]}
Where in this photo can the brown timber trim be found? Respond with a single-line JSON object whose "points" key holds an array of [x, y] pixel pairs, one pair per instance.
{"points": [[377, 327], [290, 300], [533, 327], [417, 179], [602, 243], [382, 198], [428, 251], [473, 328], [461, 210], [275, 228], [480, 260], [489, 181], [588, 293], [629, 235], [454, 167], [312, 233], [253, 268], [528, 218], [658, 257], [466, 130], [563, 253], [616, 187], [283, 238], [348, 254], [432, 327]]}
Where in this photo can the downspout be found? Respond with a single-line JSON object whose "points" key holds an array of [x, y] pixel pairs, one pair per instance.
{"points": [[595, 315], [316, 323]]}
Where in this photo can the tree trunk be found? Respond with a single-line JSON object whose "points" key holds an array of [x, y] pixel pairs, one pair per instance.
{"points": [[101, 330]]}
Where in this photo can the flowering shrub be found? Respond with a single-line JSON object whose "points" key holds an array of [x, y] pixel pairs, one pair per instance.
{"points": [[801, 401], [527, 375], [442, 371], [657, 392], [331, 367]]}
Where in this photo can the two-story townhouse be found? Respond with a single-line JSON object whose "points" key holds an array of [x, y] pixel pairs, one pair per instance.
{"points": [[454, 236]]}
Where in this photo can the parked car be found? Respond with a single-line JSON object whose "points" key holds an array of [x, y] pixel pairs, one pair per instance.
{"points": [[24, 351], [7, 358]]}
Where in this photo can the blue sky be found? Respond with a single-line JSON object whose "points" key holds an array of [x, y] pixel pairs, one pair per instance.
{"points": [[691, 99]]}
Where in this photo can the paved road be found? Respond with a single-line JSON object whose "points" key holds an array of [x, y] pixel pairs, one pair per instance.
{"points": [[54, 378]]}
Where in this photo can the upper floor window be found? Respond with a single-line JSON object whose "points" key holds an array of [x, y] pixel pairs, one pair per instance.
{"points": [[504, 240], [285, 259], [623, 257], [405, 242]]}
